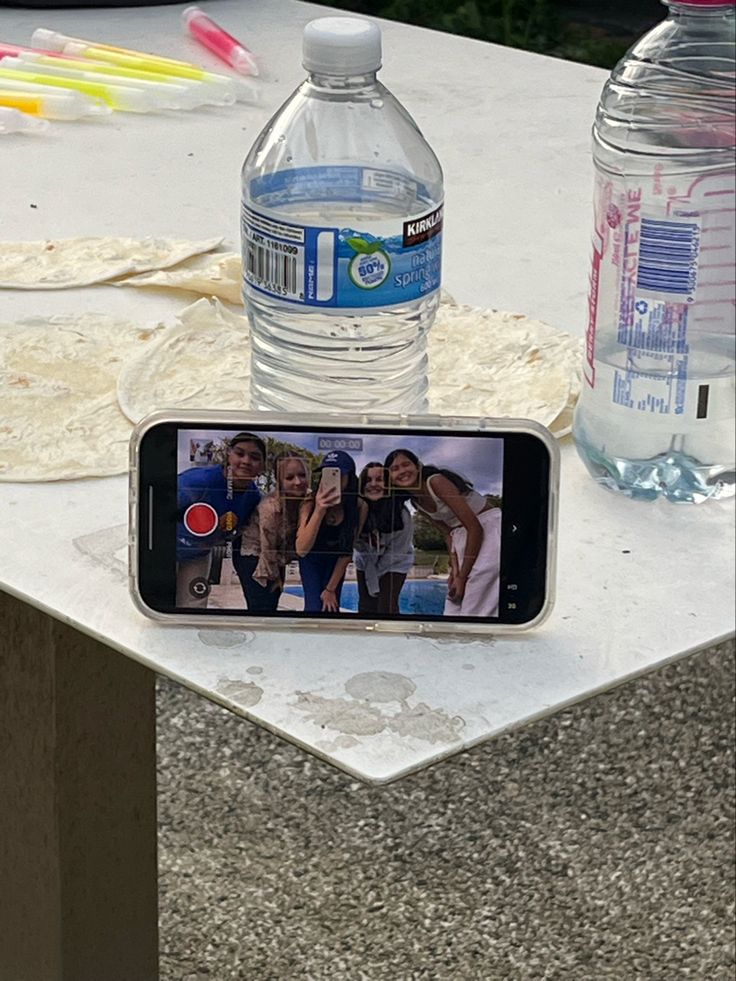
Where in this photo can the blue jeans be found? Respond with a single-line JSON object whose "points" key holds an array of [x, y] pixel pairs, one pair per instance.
{"points": [[315, 569], [260, 599]]}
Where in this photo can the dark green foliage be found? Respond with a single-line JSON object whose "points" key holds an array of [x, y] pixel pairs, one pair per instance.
{"points": [[534, 25], [273, 448], [427, 536]]}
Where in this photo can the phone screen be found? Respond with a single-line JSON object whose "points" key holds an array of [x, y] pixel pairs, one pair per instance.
{"points": [[337, 523]]}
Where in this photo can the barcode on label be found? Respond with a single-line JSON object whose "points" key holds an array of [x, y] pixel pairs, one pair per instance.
{"points": [[668, 253], [275, 267]]}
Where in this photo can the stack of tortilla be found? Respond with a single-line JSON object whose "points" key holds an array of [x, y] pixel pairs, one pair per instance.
{"points": [[71, 387]]}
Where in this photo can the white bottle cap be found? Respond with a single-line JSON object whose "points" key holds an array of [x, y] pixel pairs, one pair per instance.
{"points": [[341, 46]]}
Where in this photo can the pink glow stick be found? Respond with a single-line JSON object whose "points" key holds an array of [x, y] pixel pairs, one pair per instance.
{"points": [[11, 50], [224, 45]]}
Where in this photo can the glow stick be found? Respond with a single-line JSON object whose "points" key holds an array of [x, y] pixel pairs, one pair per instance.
{"points": [[120, 97], [164, 96], [234, 88], [50, 105], [129, 59], [13, 121], [217, 40]]}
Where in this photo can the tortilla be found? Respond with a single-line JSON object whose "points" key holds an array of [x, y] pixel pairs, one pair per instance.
{"points": [[494, 363], [202, 363], [59, 414], [217, 274], [71, 386], [562, 425], [481, 362], [64, 263]]}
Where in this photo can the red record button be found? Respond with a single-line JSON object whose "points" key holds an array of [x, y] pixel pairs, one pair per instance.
{"points": [[200, 519]]}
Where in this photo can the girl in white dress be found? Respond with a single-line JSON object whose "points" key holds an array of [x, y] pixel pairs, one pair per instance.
{"points": [[471, 526]]}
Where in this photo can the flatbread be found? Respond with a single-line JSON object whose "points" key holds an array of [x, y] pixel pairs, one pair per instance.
{"points": [[562, 425], [203, 363], [486, 362], [63, 263], [59, 414], [72, 386], [481, 362], [217, 274]]}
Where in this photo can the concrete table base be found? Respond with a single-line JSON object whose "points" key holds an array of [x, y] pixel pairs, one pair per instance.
{"points": [[77, 806]]}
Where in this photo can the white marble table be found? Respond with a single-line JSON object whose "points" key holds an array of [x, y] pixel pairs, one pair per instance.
{"points": [[639, 585]]}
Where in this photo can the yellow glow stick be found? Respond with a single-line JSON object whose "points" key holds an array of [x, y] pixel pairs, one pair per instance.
{"points": [[117, 96], [50, 105], [31, 104], [162, 95], [54, 41], [79, 48], [86, 105], [142, 61], [193, 94]]}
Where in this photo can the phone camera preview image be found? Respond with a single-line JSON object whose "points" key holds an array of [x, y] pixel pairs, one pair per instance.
{"points": [[365, 525]]}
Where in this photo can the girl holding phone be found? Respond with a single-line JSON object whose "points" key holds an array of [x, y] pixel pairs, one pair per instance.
{"points": [[384, 552], [328, 525], [471, 526], [269, 540]]}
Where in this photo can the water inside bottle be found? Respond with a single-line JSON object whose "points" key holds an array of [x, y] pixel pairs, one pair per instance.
{"points": [[366, 359], [657, 452]]}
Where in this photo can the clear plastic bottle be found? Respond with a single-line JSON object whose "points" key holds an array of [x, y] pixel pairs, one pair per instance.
{"points": [[656, 415], [342, 234]]}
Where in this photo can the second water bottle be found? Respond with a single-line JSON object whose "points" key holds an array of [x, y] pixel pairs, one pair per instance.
{"points": [[656, 414]]}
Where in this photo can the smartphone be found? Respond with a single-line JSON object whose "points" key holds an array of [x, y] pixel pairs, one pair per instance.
{"points": [[447, 524], [331, 480]]}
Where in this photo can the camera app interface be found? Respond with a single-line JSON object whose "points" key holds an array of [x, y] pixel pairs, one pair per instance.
{"points": [[367, 525]]}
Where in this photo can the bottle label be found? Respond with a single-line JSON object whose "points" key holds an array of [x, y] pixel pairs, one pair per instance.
{"points": [[365, 263], [661, 283]]}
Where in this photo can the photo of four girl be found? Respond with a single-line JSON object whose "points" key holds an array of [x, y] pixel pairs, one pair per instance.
{"points": [[330, 518]]}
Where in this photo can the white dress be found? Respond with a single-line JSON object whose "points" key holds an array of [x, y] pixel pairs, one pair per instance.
{"points": [[482, 585]]}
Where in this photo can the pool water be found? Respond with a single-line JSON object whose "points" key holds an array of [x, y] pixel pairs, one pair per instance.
{"points": [[417, 596]]}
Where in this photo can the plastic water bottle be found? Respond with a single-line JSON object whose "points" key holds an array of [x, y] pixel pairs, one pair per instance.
{"points": [[656, 415], [342, 237]]}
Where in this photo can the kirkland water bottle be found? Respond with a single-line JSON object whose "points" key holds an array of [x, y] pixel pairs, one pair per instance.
{"points": [[656, 416], [342, 235]]}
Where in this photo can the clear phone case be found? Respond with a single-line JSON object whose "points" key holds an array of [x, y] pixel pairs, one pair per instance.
{"points": [[359, 424]]}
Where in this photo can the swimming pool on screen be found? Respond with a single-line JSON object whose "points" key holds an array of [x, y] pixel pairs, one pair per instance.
{"points": [[425, 596]]}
